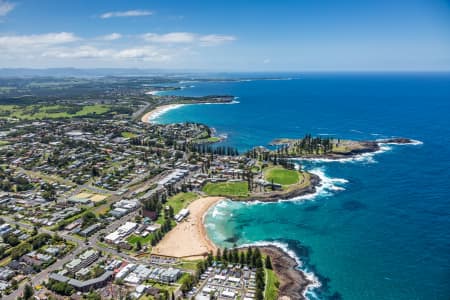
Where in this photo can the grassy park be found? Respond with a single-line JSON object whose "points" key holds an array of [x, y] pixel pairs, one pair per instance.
{"points": [[271, 285], [282, 176], [227, 189]]}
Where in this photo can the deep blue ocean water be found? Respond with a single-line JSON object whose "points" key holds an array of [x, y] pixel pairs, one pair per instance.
{"points": [[379, 228]]}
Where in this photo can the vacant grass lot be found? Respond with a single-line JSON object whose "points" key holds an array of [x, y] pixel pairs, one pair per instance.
{"points": [[36, 112], [282, 176], [227, 189], [133, 239]]}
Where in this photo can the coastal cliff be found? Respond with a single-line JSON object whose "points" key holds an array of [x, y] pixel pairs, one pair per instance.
{"points": [[293, 282]]}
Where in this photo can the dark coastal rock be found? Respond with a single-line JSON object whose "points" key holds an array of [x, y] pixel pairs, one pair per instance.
{"points": [[293, 282], [396, 141]]}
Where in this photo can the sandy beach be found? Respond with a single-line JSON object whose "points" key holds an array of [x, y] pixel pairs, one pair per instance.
{"points": [[153, 114], [189, 239]]}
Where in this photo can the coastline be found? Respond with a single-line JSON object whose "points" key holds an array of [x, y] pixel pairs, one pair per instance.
{"points": [[161, 109], [278, 196], [158, 111], [294, 283], [189, 239]]}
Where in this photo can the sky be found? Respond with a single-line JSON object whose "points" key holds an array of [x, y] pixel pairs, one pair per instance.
{"points": [[231, 35]]}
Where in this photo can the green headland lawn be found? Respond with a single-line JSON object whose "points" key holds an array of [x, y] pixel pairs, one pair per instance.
{"points": [[282, 176], [271, 285], [227, 189]]}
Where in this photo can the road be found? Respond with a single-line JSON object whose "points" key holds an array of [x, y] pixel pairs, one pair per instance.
{"points": [[80, 247]]}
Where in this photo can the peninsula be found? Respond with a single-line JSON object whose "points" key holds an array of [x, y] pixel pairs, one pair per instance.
{"points": [[310, 147]]}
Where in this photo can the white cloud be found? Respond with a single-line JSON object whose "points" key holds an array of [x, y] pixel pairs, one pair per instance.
{"points": [[37, 40], [128, 13], [62, 48], [78, 52], [215, 39], [110, 37], [143, 53], [170, 38], [6, 7], [188, 38]]}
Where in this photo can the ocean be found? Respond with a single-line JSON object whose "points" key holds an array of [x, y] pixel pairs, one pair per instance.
{"points": [[379, 227]]}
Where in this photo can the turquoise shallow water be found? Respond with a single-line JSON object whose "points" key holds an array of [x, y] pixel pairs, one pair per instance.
{"points": [[379, 228]]}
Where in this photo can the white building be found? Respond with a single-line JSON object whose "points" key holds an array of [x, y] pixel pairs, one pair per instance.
{"points": [[121, 232]]}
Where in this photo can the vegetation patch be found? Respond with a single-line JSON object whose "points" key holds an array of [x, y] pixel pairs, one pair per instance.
{"points": [[36, 112], [272, 285], [134, 239], [227, 189], [282, 176], [181, 200], [128, 135]]}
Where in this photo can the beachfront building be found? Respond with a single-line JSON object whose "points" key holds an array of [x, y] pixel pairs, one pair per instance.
{"points": [[181, 215], [121, 232]]}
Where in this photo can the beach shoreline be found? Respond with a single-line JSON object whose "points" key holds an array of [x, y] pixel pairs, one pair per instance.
{"points": [[189, 239], [158, 111]]}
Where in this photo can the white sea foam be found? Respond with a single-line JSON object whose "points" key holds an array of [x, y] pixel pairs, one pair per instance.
{"points": [[327, 186], [355, 130], [159, 112], [315, 283], [153, 93], [413, 143], [217, 103], [187, 81], [325, 134], [364, 158], [218, 209]]}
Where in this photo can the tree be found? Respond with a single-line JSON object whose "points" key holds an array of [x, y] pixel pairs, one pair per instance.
{"points": [[242, 258], [28, 292], [259, 295], [268, 263], [93, 296], [218, 255], [138, 245], [225, 254], [89, 218]]}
